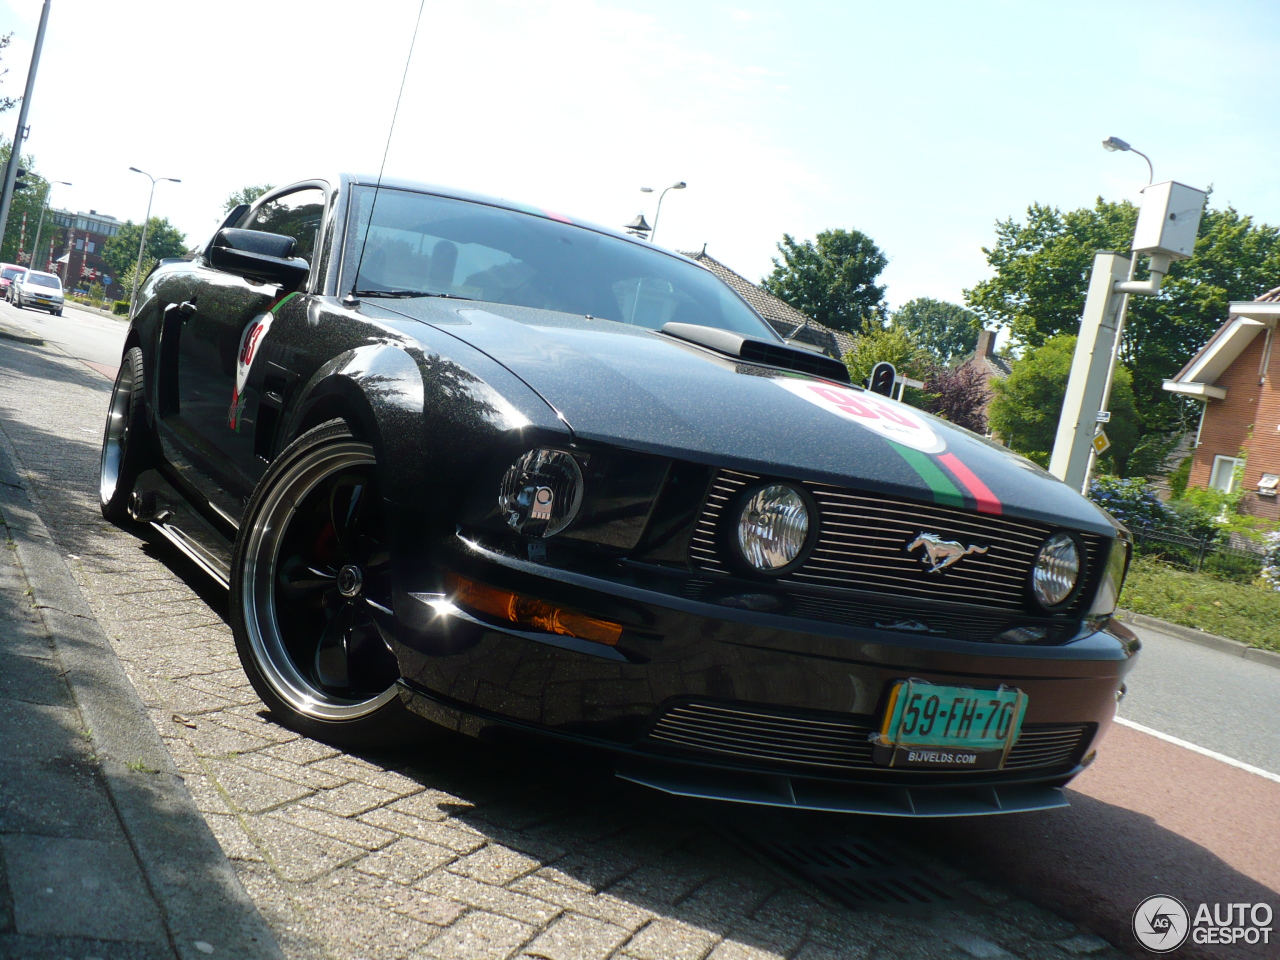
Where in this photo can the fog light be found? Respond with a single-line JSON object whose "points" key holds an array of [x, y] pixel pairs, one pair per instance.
{"points": [[541, 492], [1056, 571], [773, 527]]}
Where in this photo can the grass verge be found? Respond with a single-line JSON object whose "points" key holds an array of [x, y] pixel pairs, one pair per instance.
{"points": [[1237, 610]]}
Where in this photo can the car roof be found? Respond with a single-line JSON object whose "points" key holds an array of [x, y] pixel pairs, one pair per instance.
{"points": [[41, 273]]}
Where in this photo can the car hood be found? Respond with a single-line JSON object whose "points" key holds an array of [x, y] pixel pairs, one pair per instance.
{"points": [[618, 384]]}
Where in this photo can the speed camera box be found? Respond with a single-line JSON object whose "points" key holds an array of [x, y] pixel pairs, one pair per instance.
{"points": [[1169, 220]]}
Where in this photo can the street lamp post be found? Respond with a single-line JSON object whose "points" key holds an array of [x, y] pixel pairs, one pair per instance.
{"points": [[35, 247], [1167, 224], [679, 185], [142, 245]]}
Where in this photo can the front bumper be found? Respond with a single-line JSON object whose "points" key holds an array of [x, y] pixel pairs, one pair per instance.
{"points": [[702, 699]]}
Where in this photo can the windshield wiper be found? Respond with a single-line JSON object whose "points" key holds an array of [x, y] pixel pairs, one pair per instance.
{"points": [[405, 294]]}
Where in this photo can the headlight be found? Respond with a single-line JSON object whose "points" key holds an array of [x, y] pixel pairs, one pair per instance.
{"points": [[541, 492], [1108, 596], [773, 527], [1056, 571]]}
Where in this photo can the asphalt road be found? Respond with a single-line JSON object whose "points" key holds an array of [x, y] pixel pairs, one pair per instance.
{"points": [[86, 335], [1206, 697], [1149, 817]]}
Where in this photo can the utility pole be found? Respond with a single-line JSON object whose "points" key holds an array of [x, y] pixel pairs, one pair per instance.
{"points": [[20, 135]]}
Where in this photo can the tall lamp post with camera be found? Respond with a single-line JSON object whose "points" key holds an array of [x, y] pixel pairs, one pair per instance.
{"points": [[1167, 226]]}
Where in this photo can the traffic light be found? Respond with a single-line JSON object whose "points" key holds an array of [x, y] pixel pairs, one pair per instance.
{"points": [[882, 379], [20, 181]]}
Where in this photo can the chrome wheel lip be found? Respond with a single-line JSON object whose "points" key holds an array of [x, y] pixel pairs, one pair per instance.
{"points": [[258, 579], [116, 433]]}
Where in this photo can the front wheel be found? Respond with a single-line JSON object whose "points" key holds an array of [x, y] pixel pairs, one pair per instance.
{"points": [[124, 440], [57, 312], [311, 594]]}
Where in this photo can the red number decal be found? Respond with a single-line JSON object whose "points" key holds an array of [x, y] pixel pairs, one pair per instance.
{"points": [[847, 402]]}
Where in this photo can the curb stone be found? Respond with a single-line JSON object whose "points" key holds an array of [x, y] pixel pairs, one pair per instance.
{"points": [[1193, 635], [196, 888]]}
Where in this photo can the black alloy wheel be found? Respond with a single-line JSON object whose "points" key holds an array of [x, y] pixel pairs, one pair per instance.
{"points": [[311, 593], [125, 441]]}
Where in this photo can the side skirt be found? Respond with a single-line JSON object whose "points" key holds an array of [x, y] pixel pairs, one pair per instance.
{"points": [[157, 503]]}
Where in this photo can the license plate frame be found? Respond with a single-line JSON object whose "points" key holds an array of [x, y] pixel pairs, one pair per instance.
{"points": [[944, 727]]}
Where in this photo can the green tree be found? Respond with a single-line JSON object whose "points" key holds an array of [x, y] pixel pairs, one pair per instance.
{"points": [[126, 278], [26, 204], [6, 103], [163, 240], [1041, 277], [1028, 402], [832, 279], [245, 195], [947, 330], [893, 345]]}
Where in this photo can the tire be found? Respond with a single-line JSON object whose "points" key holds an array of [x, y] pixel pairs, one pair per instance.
{"points": [[125, 442], [56, 313], [311, 597]]}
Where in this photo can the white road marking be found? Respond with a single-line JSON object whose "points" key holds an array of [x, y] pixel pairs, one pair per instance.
{"points": [[1196, 748]]}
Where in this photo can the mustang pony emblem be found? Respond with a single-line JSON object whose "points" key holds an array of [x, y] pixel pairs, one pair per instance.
{"points": [[941, 553]]}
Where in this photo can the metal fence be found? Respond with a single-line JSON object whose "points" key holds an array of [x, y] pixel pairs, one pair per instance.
{"points": [[1207, 555]]}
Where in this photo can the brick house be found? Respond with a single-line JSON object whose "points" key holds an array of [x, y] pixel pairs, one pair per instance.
{"points": [[988, 364], [789, 322], [1235, 375], [75, 249]]}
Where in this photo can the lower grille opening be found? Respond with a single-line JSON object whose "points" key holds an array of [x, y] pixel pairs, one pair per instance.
{"points": [[826, 742]]}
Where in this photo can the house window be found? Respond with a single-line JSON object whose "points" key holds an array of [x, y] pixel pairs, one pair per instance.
{"points": [[1224, 473], [89, 246]]}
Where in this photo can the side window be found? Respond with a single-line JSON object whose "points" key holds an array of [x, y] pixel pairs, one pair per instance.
{"points": [[296, 215]]}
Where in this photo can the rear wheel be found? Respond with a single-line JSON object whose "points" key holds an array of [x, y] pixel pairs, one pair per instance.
{"points": [[311, 595], [124, 440]]}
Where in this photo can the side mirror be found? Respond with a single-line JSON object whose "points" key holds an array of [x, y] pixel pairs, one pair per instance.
{"points": [[258, 256]]}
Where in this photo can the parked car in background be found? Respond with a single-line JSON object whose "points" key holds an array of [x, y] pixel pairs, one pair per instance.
{"points": [[8, 271], [31, 288], [463, 458]]}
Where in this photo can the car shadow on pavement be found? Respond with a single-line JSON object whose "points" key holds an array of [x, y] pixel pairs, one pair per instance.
{"points": [[1096, 861]]}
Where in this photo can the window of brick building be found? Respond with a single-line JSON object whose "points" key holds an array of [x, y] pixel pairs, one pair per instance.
{"points": [[1224, 473]]}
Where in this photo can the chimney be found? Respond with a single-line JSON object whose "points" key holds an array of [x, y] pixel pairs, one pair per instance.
{"points": [[986, 343]]}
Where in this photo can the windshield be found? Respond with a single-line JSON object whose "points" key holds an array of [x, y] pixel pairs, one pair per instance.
{"points": [[435, 246], [8, 273], [43, 280]]}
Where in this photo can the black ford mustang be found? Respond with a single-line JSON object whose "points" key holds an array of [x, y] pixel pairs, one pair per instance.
{"points": [[470, 460]]}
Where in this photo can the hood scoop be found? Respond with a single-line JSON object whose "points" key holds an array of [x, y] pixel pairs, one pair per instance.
{"points": [[756, 350]]}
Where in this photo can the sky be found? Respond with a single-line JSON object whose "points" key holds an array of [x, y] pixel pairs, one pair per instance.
{"points": [[919, 123]]}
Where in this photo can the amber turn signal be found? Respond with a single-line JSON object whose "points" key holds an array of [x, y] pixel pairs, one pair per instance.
{"points": [[530, 613]]}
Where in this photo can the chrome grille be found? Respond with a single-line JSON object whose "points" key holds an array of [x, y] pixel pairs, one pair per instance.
{"points": [[829, 741], [862, 539]]}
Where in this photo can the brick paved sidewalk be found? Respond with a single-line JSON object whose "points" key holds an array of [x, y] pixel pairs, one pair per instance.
{"points": [[459, 850]]}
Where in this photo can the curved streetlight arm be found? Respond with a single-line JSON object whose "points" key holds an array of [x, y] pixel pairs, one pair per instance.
{"points": [[679, 185], [1151, 171]]}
